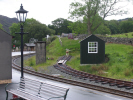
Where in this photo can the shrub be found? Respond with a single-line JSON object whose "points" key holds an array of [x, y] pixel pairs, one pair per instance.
{"points": [[94, 68], [126, 34], [127, 72], [50, 39], [31, 63], [44, 39], [53, 38], [100, 72], [103, 67]]}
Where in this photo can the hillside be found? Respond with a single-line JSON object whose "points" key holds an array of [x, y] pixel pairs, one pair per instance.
{"points": [[7, 22], [118, 67]]}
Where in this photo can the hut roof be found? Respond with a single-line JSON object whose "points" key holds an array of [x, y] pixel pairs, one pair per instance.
{"points": [[30, 44]]}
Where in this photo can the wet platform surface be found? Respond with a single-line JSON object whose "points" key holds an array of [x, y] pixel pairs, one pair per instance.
{"points": [[75, 92]]}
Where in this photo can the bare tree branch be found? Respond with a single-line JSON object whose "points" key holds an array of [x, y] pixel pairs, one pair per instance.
{"points": [[109, 9]]}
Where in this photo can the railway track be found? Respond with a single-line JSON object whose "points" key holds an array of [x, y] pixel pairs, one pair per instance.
{"points": [[117, 84]]}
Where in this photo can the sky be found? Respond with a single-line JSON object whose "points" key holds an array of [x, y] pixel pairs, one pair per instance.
{"points": [[46, 11]]}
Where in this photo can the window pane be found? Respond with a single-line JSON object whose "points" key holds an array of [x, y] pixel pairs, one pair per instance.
{"points": [[90, 50], [95, 50], [90, 44], [92, 47], [95, 44]]}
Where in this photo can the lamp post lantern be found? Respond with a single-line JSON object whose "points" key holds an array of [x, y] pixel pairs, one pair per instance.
{"points": [[21, 15]]}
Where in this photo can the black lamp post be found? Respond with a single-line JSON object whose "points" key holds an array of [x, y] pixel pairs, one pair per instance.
{"points": [[21, 15]]}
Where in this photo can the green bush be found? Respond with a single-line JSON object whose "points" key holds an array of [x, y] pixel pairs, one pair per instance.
{"points": [[126, 34], [44, 39], [127, 72], [53, 38], [31, 63]]}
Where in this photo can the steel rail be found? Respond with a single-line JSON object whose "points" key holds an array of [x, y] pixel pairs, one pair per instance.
{"points": [[72, 82], [96, 78]]}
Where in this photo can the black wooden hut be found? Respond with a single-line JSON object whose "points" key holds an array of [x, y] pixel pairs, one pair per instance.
{"points": [[5, 57], [92, 50]]}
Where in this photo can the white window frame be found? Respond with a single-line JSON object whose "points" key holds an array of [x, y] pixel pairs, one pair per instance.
{"points": [[92, 47]]}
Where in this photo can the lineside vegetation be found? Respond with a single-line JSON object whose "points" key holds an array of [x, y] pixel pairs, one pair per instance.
{"points": [[119, 66]]}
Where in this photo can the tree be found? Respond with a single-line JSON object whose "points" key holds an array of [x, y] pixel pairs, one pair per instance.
{"points": [[15, 28], [91, 8], [78, 27], [113, 25], [126, 26], [34, 28], [102, 29], [60, 25]]}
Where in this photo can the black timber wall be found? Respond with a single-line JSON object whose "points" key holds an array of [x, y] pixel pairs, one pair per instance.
{"points": [[92, 58], [5, 56]]}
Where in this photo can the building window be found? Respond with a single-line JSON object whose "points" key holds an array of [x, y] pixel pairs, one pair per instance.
{"points": [[92, 47]]}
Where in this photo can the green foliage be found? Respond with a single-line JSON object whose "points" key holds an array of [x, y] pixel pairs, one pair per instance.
{"points": [[57, 49], [120, 60], [130, 35], [7, 22], [120, 65], [113, 25], [78, 27], [126, 26], [91, 10], [50, 39], [31, 62], [127, 72], [16, 40], [102, 29], [60, 26], [1, 26], [34, 28]]}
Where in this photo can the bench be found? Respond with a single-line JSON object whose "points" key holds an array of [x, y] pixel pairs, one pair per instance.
{"points": [[30, 89]]}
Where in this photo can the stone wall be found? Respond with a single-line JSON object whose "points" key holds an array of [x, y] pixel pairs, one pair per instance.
{"points": [[40, 52], [81, 36], [118, 40], [110, 39]]}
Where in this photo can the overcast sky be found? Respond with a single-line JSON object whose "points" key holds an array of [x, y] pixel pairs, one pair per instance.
{"points": [[45, 11]]}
